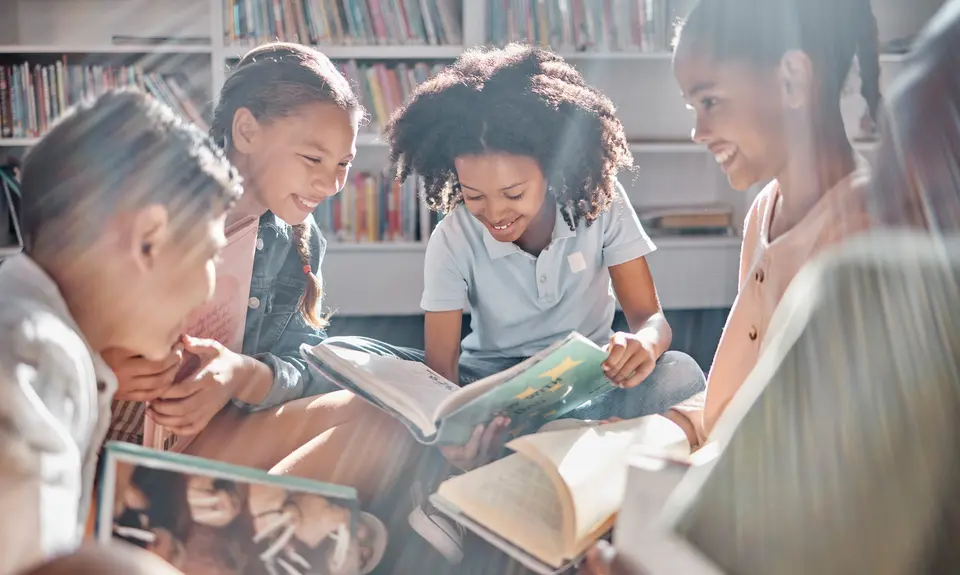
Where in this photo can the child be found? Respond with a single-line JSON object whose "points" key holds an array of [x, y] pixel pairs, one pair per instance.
{"points": [[122, 203], [522, 156], [764, 78], [288, 120]]}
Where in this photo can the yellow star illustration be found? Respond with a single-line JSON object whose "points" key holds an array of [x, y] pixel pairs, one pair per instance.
{"points": [[525, 393], [566, 365], [556, 386]]}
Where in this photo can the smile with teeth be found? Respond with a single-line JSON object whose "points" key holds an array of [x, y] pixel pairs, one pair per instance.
{"points": [[308, 203], [504, 226], [724, 156]]}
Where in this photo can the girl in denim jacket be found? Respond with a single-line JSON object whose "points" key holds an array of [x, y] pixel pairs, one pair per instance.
{"points": [[288, 120]]}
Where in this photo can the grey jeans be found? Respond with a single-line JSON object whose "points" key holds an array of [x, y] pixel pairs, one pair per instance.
{"points": [[676, 377]]}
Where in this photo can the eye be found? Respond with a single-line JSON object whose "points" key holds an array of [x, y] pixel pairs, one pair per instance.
{"points": [[472, 198], [311, 159], [346, 165], [708, 102]]}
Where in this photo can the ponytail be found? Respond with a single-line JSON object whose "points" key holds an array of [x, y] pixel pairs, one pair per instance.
{"points": [[309, 305], [868, 58]]}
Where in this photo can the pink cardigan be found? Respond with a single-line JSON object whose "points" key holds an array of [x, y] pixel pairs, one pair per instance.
{"points": [[766, 269]]}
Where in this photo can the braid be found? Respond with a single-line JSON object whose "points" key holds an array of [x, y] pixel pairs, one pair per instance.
{"points": [[309, 305], [868, 58]]}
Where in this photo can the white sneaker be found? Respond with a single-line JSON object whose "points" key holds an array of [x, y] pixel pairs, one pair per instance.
{"points": [[442, 534]]}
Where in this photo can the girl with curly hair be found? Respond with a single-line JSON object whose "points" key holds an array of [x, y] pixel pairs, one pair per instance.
{"points": [[521, 156]]}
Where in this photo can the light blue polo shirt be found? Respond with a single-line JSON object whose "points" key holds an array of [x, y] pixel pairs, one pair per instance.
{"points": [[520, 304]]}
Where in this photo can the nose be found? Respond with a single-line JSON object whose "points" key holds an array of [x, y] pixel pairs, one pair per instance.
{"points": [[326, 184], [701, 132], [497, 212]]}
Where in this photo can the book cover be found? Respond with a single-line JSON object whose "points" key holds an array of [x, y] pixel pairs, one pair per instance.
{"points": [[547, 386], [222, 318], [535, 392], [206, 517]]}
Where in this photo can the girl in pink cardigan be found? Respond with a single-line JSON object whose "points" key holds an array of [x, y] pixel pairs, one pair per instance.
{"points": [[764, 78]]}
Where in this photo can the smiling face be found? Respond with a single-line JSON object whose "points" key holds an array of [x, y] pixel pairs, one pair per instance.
{"points": [[505, 192], [294, 162], [740, 116]]}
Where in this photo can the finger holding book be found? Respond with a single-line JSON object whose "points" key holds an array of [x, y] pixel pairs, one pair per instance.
{"points": [[632, 358], [484, 445], [140, 379]]}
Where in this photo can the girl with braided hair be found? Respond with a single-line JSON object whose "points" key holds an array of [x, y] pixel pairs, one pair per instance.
{"points": [[765, 79], [288, 121]]}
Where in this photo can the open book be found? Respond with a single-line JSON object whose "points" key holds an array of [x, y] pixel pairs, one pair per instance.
{"points": [[643, 536], [222, 318], [561, 491], [545, 387], [204, 516]]}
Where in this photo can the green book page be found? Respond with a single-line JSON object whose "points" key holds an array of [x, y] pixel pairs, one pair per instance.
{"points": [[565, 379]]}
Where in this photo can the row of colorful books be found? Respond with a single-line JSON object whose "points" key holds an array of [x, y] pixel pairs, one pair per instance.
{"points": [[33, 96], [372, 208], [383, 88], [435, 22], [581, 25]]}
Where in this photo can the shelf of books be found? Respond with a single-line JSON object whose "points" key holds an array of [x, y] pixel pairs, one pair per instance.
{"points": [[37, 86]]}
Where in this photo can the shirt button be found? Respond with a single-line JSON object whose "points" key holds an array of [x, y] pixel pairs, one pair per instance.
{"points": [[753, 332], [259, 244], [101, 385], [253, 302], [543, 279], [759, 276]]}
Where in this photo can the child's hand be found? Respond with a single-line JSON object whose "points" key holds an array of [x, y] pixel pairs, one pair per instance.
{"points": [[602, 560], [631, 360], [186, 408], [211, 506], [140, 379], [484, 445]]}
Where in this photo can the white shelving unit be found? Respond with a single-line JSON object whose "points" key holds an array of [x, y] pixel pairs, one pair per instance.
{"points": [[386, 278]]}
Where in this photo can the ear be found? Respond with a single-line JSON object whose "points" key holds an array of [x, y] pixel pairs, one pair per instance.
{"points": [[245, 131], [149, 235], [795, 73]]}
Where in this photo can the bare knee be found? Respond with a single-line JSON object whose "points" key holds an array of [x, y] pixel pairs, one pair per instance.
{"points": [[112, 559]]}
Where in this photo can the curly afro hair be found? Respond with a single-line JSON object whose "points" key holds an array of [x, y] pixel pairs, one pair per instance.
{"points": [[520, 100]]}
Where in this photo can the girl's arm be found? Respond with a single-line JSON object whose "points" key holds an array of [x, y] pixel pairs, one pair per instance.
{"points": [[442, 342], [637, 294]]}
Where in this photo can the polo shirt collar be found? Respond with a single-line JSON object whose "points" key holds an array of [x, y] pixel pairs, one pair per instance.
{"points": [[498, 250]]}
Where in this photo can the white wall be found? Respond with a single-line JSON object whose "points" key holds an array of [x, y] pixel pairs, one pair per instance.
{"points": [[92, 22]]}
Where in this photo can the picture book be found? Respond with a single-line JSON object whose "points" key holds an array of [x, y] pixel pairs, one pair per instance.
{"points": [[549, 502], [203, 516], [566, 375], [222, 318]]}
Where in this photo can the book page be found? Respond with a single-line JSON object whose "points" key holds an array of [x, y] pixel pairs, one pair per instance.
{"points": [[516, 499], [592, 462], [409, 387]]}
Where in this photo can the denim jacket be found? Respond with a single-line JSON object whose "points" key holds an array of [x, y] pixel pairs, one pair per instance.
{"points": [[274, 328]]}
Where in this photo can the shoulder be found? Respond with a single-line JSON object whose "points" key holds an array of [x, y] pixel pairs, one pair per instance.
{"points": [[458, 231], [36, 336], [46, 373]]}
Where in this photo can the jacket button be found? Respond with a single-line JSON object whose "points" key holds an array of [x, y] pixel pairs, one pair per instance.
{"points": [[253, 302], [753, 332], [259, 244]]}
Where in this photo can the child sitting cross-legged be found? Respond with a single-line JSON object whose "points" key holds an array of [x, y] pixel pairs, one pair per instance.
{"points": [[538, 240]]}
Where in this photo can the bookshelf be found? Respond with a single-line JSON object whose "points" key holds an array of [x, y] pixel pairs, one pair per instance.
{"points": [[385, 278]]}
